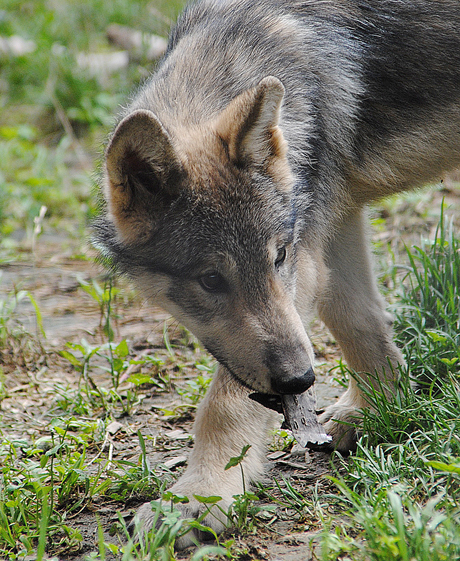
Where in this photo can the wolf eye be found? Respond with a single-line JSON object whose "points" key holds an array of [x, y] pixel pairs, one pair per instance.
{"points": [[280, 257], [213, 282]]}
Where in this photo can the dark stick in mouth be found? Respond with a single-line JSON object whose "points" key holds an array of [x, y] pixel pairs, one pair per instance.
{"points": [[299, 413]]}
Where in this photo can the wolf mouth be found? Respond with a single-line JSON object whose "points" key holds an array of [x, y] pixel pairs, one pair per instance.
{"points": [[270, 401], [245, 384]]}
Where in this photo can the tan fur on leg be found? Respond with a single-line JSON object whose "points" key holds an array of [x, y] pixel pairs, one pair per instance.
{"points": [[353, 309], [226, 421]]}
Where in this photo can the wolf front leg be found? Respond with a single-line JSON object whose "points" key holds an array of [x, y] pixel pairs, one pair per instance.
{"points": [[226, 421], [354, 311]]}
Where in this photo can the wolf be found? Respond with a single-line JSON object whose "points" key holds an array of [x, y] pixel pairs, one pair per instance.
{"points": [[236, 183]]}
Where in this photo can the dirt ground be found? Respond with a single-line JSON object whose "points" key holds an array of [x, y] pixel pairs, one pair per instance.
{"points": [[53, 274]]}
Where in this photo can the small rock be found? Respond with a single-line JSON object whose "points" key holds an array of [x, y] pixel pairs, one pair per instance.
{"points": [[177, 434], [16, 46], [297, 451], [114, 427], [276, 455], [175, 462], [136, 42], [102, 63], [293, 465]]}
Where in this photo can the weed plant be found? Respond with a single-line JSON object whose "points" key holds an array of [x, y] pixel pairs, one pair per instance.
{"points": [[18, 346], [29, 174], [46, 483], [397, 497], [61, 30]]}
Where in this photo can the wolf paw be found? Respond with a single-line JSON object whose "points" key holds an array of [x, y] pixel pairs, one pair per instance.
{"points": [[146, 518], [343, 423]]}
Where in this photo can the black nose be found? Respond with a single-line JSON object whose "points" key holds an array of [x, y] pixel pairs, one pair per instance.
{"points": [[291, 385]]}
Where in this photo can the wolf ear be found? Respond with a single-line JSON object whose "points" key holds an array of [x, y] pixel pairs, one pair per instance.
{"points": [[142, 172], [250, 124]]}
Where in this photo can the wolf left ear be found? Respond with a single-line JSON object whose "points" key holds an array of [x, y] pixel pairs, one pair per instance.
{"points": [[250, 124], [142, 174]]}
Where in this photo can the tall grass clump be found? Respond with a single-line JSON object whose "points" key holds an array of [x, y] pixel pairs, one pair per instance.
{"points": [[400, 491], [428, 323]]}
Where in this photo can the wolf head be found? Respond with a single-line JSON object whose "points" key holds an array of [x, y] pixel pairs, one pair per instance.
{"points": [[205, 218]]}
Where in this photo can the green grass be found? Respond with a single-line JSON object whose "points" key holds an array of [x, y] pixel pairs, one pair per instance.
{"points": [[401, 490], [60, 30], [51, 109], [47, 480], [50, 480], [429, 321], [31, 176]]}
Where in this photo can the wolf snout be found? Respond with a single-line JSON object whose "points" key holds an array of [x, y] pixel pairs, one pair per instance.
{"points": [[293, 384]]}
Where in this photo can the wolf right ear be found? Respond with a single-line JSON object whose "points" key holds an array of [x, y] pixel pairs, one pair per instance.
{"points": [[249, 126], [142, 172]]}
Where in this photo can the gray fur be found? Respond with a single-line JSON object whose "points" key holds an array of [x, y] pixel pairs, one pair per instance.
{"points": [[266, 129]]}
